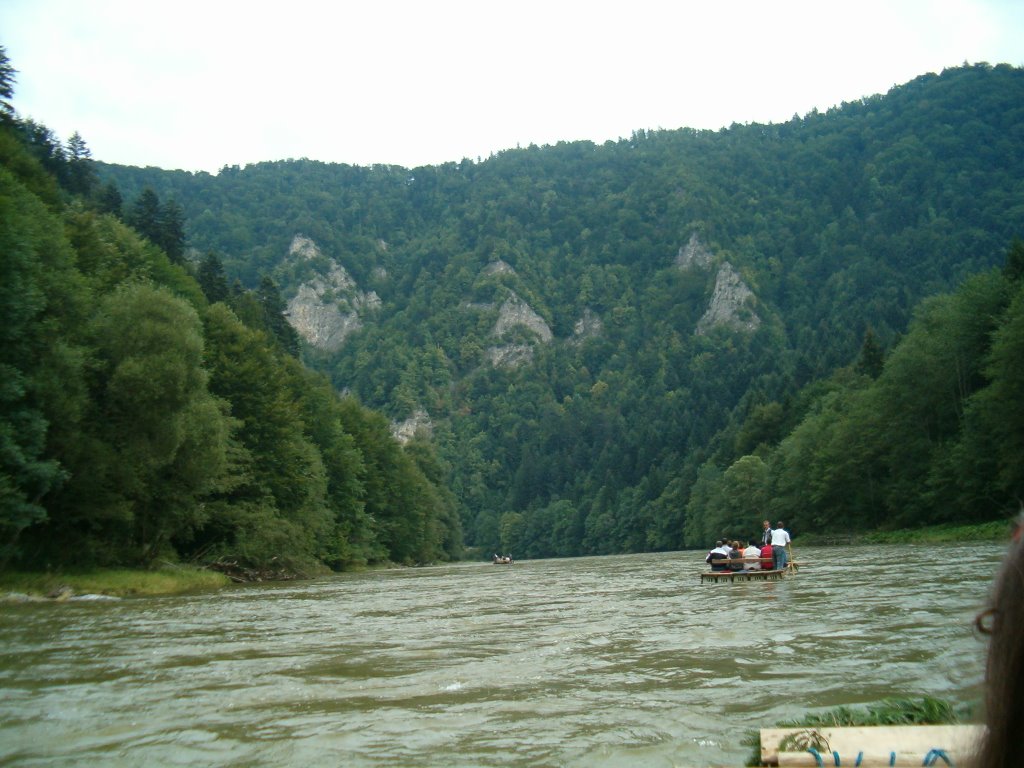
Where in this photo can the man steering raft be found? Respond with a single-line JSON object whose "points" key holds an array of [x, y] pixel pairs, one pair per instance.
{"points": [[780, 547]]}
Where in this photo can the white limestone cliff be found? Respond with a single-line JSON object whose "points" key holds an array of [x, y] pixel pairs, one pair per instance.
{"points": [[328, 308], [731, 304]]}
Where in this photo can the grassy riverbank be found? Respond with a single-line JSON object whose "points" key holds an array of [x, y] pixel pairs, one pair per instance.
{"points": [[115, 582], [943, 534], [180, 579], [933, 534]]}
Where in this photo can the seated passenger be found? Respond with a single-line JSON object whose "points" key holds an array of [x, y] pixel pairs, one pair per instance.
{"points": [[716, 557], [750, 557], [767, 557], [735, 557]]}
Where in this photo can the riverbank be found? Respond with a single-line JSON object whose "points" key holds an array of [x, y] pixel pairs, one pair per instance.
{"points": [[183, 579], [123, 582], [932, 534]]}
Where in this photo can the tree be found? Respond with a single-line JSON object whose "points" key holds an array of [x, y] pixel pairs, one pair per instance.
{"points": [[275, 505], [81, 174], [746, 487], [40, 369], [1013, 270], [109, 200], [924, 390], [171, 231], [168, 434], [7, 79], [144, 215], [997, 411], [212, 279], [511, 526], [162, 224], [275, 316], [351, 539], [46, 148], [872, 357]]}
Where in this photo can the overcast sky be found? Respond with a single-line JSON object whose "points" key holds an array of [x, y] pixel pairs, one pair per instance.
{"points": [[200, 85]]}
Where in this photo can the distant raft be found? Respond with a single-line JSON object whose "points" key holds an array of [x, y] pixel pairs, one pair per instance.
{"points": [[502, 560]]}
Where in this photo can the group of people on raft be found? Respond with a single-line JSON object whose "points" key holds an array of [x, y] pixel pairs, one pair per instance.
{"points": [[770, 554]]}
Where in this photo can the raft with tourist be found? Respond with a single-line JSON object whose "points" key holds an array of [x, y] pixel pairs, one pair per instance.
{"points": [[751, 575], [768, 560]]}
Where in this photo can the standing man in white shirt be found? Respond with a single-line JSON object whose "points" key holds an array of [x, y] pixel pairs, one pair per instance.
{"points": [[780, 547]]}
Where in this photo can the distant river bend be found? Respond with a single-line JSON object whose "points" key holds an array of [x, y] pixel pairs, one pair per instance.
{"points": [[604, 661]]}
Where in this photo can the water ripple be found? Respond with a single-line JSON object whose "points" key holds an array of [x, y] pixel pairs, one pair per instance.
{"points": [[593, 661]]}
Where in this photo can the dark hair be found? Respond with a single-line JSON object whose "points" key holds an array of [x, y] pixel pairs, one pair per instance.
{"points": [[1003, 745]]}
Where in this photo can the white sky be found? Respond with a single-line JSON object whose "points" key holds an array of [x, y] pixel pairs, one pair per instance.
{"points": [[199, 85]]}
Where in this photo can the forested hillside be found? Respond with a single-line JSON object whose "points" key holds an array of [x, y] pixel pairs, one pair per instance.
{"points": [[142, 421], [648, 343]]}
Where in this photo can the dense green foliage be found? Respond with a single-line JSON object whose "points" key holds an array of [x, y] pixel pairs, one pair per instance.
{"points": [[142, 420], [653, 432], [648, 435], [639, 424]]}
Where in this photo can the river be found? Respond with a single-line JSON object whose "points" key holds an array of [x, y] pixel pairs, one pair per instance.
{"points": [[602, 661]]}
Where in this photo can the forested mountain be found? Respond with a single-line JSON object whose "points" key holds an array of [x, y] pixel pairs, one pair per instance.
{"points": [[615, 346], [141, 420], [648, 343]]}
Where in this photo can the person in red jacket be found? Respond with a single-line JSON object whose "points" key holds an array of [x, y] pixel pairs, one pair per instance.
{"points": [[766, 558]]}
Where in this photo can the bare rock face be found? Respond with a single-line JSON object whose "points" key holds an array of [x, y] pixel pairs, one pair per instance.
{"points": [[731, 304], [418, 422], [499, 267], [328, 308], [514, 311], [589, 326], [694, 255], [510, 355]]}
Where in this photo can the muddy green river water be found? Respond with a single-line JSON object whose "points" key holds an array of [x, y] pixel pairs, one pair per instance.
{"points": [[604, 661]]}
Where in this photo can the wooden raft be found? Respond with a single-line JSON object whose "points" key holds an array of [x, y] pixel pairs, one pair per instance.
{"points": [[741, 575], [911, 744]]}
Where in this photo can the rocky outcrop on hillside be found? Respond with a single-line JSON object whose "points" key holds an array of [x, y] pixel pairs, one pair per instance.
{"points": [[730, 305], [498, 267], [694, 255], [509, 355], [515, 312], [589, 326], [418, 422], [330, 307]]}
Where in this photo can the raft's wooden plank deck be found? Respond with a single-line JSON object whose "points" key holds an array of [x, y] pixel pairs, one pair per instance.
{"points": [[741, 576], [911, 743]]}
